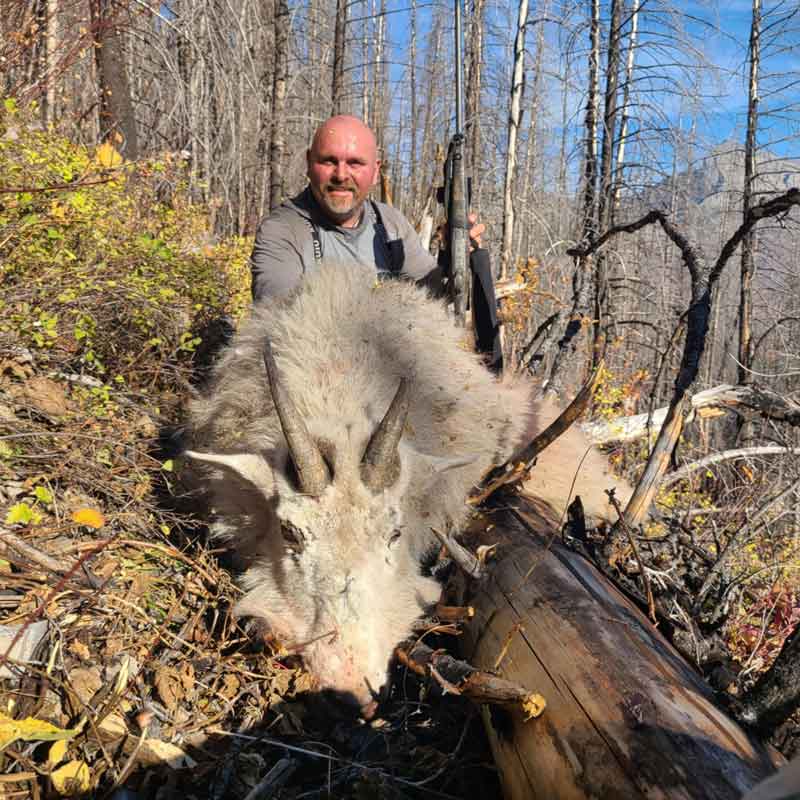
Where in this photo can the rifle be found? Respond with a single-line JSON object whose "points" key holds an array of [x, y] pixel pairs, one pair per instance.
{"points": [[454, 194], [465, 264]]}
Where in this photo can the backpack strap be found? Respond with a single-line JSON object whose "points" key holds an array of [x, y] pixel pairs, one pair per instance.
{"points": [[395, 248], [315, 241]]}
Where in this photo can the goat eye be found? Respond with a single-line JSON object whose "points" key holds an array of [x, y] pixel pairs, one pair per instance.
{"points": [[293, 536], [394, 538]]}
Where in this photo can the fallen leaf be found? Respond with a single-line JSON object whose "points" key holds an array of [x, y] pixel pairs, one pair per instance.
{"points": [[107, 155], [20, 513], [44, 395], [80, 650], [72, 779], [31, 730], [230, 686], [113, 725], [169, 687], [89, 517], [154, 751], [533, 706], [187, 676], [57, 752], [84, 683]]}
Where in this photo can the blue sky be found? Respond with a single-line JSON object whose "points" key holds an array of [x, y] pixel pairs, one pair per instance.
{"points": [[717, 34]]}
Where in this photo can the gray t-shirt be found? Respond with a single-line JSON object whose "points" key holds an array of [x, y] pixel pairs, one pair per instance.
{"points": [[364, 244], [284, 246]]}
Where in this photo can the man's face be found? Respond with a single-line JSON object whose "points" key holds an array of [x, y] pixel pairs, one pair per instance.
{"points": [[342, 167]]}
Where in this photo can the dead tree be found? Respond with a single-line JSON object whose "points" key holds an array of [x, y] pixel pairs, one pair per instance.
{"points": [[703, 276], [117, 120]]}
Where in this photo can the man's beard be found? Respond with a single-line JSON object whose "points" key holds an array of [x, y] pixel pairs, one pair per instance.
{"points": [[341, 205]]}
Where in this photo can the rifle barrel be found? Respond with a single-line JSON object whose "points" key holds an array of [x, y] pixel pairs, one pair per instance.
{"points": [[459, 54]]}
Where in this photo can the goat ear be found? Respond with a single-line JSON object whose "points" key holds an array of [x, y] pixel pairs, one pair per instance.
{"points": [[252, 468], [442, 464]]}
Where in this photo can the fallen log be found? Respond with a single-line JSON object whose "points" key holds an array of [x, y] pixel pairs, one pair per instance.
{"points": [[748, 401], [626, 716]]}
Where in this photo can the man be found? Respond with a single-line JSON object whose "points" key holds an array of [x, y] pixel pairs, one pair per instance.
{"points": [[332, 219]]}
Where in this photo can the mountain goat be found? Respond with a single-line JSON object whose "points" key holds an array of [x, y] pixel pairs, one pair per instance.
{"points": [[339, 427]]}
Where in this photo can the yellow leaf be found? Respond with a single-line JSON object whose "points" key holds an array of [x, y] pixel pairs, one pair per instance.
{"points": [[89, 517], [31, 730], [57, 752], [72, 779], [107, 155]]}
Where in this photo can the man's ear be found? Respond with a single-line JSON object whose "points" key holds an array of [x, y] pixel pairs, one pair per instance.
{"points": [[377, 177]]}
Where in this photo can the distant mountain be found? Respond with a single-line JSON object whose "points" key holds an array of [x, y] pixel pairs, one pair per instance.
{"points": [[713, 187]]}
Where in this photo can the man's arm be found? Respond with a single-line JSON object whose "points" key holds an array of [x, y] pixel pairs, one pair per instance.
{"points": [[276, 264], [418, 264]]}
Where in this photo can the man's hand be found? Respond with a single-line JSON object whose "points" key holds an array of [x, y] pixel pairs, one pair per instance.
{"points": [[477, 229]]}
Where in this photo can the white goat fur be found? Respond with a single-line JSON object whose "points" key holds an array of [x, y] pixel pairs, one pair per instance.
{"points": [[342, 343]]}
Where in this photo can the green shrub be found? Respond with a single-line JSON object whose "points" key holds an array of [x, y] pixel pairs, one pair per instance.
{"points": [[100, 276]]}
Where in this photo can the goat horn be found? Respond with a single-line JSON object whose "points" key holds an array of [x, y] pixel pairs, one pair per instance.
{"points": [[380, 466], [312, 471]]}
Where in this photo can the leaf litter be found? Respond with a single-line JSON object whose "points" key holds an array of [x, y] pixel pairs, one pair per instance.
{"points": [[142, 684]]}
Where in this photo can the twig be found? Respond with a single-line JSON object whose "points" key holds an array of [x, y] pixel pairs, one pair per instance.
{"points": [[54, 592], [273, 780], [468, 562], [726, 455], [43, 560], [651, 605], [462, 678], [738, 539]]}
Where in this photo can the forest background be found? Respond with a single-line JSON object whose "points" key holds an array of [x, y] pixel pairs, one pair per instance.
{"points": [[579, 117]]}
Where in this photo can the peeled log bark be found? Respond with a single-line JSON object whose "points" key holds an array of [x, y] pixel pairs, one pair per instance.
{"points": [[626, 717]]}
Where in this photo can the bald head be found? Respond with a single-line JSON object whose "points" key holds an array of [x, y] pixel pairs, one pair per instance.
{"points": [[348, 130], [342, 167]]}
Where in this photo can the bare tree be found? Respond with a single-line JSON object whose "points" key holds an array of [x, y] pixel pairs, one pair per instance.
{"points": [[117, 118], [277, 128], [514, 116], [340, 32], [748, 242]]}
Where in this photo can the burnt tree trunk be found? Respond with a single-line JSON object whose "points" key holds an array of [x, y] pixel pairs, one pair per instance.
{"points": [[117, 120], [749, 240], [605, 198], [339, 30], [626, 716]]}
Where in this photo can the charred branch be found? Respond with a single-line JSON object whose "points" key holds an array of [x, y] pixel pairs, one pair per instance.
{"points": [[776, 695], [745, 400], [459, 677]]}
